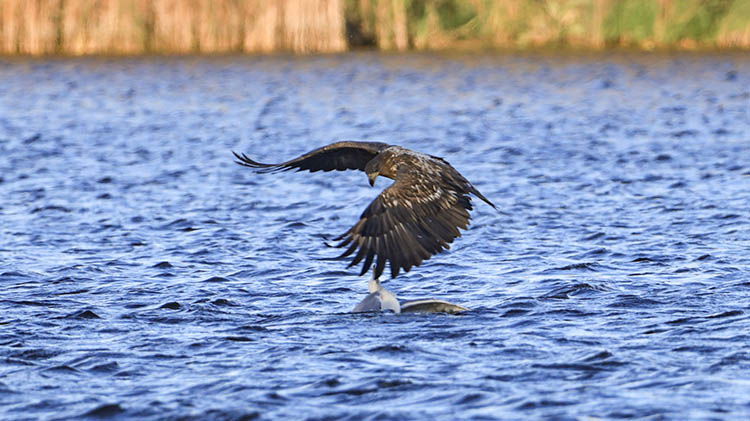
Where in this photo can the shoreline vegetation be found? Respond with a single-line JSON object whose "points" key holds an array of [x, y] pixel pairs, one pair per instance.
{"points": [[133, 27]]}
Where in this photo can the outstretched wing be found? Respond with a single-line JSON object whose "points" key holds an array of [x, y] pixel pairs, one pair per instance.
{"points": [[347, 155], [415, 218]]}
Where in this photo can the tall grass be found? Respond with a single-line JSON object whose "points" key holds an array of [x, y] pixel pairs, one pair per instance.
{"points": [[194, 26], [170, 26], [589, 24]]}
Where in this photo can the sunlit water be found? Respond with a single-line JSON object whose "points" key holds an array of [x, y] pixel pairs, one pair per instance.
{"points": [[144, 275]]}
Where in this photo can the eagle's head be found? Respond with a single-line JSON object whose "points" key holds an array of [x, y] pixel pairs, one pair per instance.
{"points": [[384, 164], [372, 169]]}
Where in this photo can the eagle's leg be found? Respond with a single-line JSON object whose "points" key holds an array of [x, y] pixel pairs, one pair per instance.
{"points": [[373, 285]]}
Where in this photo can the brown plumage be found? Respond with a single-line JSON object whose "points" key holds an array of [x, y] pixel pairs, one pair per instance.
{"points": [[415, 218]]}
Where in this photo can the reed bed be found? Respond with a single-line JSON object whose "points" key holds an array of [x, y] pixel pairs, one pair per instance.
{"points": [[77, 27], [583, 24], [170, 26]]}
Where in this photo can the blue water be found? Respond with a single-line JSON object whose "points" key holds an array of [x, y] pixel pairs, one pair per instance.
{"points": [[145, 275]]}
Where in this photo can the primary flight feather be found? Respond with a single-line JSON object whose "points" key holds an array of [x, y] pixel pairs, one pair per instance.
{"points": [[415, 218]]}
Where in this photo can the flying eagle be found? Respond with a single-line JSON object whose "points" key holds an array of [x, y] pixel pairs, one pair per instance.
{"points": [[415, 218]]}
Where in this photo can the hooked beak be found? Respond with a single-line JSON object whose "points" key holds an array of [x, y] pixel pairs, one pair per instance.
{"points": [[372, 177]]}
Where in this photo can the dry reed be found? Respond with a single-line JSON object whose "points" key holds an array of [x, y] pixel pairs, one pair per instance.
{"points": [[79, 27], [170, 26]]}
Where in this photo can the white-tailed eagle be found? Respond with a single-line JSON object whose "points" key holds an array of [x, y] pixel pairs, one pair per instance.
{"points": [[415, 218]]}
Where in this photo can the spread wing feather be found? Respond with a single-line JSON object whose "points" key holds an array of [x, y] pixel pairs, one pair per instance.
{"points": [[409, 222], [418, 216], [347, 155]]}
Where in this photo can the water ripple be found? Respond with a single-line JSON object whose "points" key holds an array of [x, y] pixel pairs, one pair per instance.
{"points": [[144, 275]]}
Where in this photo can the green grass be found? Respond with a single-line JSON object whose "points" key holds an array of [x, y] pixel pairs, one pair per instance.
{"points": [[631, 21], [518, 24]]}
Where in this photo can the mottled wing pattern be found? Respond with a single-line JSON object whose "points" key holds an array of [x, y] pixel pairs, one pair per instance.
{"points": [[415, 218], [347, 155]]}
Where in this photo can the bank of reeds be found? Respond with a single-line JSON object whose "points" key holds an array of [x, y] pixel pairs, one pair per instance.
{"points": [[522, 24], [170, 26], [78, 27]]}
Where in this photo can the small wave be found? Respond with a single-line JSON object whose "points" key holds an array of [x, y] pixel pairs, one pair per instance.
{"points": [[83, 315], [105, 411]]}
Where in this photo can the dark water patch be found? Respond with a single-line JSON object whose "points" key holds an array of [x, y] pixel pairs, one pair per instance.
{"points": [[32, 139], [678, 185], [394, 383], [684, 320], [731, 313], [105, 411], [166, 275], [515, 312], [659, 260], [63, 368], [178, 224], [251, 328], [83, 315], [726, 216], [595, 253], [330, 382], [735, 360], [721, 132], [541, 404], [603, 355], [172, 305], [57, 208], [521, 302], [568, 291], [109, 367], [222, 302], [14, 274], [15, 361], [163, 265], [32, 303], [683, 133], [390, 348], [594, 236], [33, 354], [570, 366], [225, 414], [632, 301], [655, 331], [584, 266], [695, 348], [239, 339]]}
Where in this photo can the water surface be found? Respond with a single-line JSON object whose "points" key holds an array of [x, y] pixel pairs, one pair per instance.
{"points": [[144, 275]]}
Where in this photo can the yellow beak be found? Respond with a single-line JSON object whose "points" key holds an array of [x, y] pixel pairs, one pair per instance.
{"points": [[372, 177]]}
